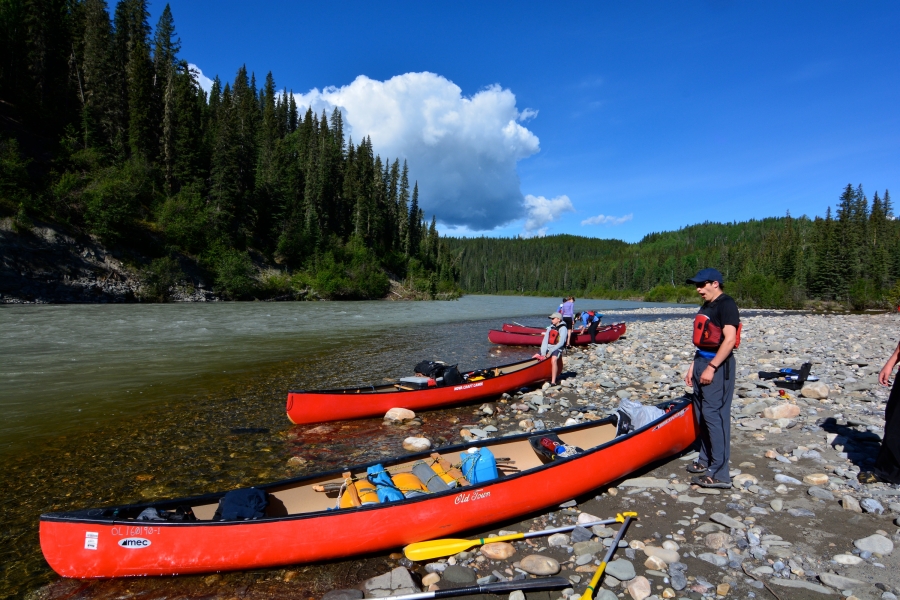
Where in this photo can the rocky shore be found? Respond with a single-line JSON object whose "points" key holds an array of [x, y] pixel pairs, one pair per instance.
{"points": [[796, 523]]}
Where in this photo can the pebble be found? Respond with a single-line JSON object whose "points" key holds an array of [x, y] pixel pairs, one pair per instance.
{"points": [[668, 556], [719, 540], [713, 559], [537, 564], [399, 415], [850, 503], [780, 478], [498, 550], [655, 563], [777, 504], [838, 581], [639, 588], [871, 505], [416, 444], [821, 494], [621, 569], [727, 521], [815, 479], [875, 543], [847, 559]]}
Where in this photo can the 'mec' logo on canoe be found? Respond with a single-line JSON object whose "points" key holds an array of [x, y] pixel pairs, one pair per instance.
{"points": [[134, 543]]}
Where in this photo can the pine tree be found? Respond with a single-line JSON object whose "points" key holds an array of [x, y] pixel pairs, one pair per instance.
{"points": [[403, 210], [413, 236], [99, 112]]}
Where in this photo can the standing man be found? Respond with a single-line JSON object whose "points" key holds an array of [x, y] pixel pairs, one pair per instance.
{"points": [[553, 349], [712, 375]]}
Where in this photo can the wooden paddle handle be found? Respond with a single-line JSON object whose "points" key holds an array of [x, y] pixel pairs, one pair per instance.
{"points": [[351, 489]]}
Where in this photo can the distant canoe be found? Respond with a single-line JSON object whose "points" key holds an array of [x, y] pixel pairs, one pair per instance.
{"points": [[533, 336], [302, 525], [374, 401]]}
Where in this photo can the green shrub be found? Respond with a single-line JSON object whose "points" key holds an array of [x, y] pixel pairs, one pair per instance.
{"points": [[350, 273], [184, 220], [113, 200], [864, 294], [159, 278], [233, 273]]}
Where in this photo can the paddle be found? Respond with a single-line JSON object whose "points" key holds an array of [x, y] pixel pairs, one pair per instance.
{"points": [[502, 587], [420, 551], [589, 592]]}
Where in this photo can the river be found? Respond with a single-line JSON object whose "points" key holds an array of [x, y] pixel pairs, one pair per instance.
{"points": [[111, 404]]}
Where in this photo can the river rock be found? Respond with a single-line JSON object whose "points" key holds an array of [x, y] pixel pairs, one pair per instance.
{"points": [[722, 589], [875, 543], [850, 503], [727, 521], [601, 531], [690, 499], [847, 559], [777, 504], [815, 390], [870, 505], [605, 594], [343, 595], [588, 547], [713, 559], [655, 563], [782, 478], [621, 569], [646, 482], [399, 415], [638, 588], [801, 512], [820, 493], [669, 556], [678, 579], [815, 479], [741, 481], [498, 550], [584, 518], [459, 574], [397, 582], [558, 539], [801, 584], [782, 411], [416, 444], [838, 581], [719, 540], [537, 564], [430, 579]]}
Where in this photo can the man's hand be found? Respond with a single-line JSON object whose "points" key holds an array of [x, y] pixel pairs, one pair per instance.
{"points": [[689, 376], [707, 375]]}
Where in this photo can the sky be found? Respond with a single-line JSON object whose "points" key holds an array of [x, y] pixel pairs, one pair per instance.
{"points": [[609, 120]]}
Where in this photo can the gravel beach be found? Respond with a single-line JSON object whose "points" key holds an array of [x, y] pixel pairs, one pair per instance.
{"points": [[796, 523]]}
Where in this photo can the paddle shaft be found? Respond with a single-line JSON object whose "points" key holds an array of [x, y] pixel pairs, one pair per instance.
{"points": [[589, 592], [543, 583]]}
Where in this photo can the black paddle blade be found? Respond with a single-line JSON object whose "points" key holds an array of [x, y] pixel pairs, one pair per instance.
{"points": [[503, 587]]}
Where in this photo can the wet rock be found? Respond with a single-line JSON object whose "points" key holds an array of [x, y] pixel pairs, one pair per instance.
{"points": [[655, 563], [459, 574], [416, 444], [498, 550], [397, 582], [638, 588], [537, 564], [839, 582], [875, 543], [349, 594], [430, 579], [621, 569], [727, 521], [399, 415], [669, 556]]}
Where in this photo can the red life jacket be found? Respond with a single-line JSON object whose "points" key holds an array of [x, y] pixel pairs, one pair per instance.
{"points": [[553, 337], [708, 336]]}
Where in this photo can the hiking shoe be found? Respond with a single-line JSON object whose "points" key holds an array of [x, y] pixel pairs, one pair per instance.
{"points": [[708, 482], [696, 467]]}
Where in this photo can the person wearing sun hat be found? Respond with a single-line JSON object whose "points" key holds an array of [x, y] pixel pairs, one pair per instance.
{"points": [[554, 350], [712, 374]]}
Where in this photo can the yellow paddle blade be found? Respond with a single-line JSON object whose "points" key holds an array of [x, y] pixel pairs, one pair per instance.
{"points": [[419, 551], [620, 518]]}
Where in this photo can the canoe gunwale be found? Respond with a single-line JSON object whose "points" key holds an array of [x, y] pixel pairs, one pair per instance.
{"points": [[677, 406]]}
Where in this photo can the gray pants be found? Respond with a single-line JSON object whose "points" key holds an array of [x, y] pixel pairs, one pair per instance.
{"points": [[712, 409]]}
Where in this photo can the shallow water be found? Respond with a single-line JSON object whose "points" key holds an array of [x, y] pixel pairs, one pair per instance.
{"points": [[112, 404]]}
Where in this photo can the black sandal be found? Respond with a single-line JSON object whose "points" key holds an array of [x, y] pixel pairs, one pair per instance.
{"points": [[708, 482], [868, 477], [695, 467]]}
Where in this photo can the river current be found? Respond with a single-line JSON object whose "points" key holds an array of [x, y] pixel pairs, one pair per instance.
{"points": [[112, 404]]}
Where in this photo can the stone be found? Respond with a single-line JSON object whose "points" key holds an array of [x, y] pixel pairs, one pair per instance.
{"points": [[850, 503], [815, 390], [722, 589], [601, 531], [588, 547], [459, 574], [847, 559], [584, 559], [399, 415], [741, 480], [719, 540], [655, 563], [677, 579], [815, 479], [801, 512], [584, 518], [875, 543], [708, 528], [516, 595], [782, 411], [558, 539], [781, 478], [436, 567], [646, 482], [669, 556], [638, 588], [838, 581], [498, 550], [670, 545], [621, 569], [690, 499], [430, 579], [668, 593], [870, 505], [713, 559], [537, 564], [416, 444], [820, 493], [777, 504], [801, 584], [395, 582], [343, 595], [580, 534], [605, 594], [727, 521]]}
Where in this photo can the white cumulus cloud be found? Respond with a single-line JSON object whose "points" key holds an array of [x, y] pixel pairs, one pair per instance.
{"points": [[607, 220], [541, 211], [204, 81], [462, 150]]}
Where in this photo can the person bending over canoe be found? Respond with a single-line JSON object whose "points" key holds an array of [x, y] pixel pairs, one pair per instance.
{"points": [[591, 320], [552, 346], [716, 333], [887, 466]]}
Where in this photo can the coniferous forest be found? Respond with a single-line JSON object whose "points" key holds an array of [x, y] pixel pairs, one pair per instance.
{"points": [[106, 131], [850, 258]]}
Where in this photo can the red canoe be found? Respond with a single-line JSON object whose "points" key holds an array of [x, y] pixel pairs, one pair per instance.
{"points": [[301, 526], [374, 401], [605, 335]]}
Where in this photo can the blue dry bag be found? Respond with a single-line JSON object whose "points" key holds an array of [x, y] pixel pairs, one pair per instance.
{"points": [[478, 466], [384, 486]]}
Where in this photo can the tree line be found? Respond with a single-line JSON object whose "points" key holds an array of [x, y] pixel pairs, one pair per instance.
{"points": [[851, 256], [107, 130]]}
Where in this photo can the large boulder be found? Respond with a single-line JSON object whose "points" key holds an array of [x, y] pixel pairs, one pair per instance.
{"points": [[815, 390], [782, 411]]}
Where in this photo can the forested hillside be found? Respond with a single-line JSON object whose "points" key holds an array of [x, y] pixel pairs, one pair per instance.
{"points": [[852, 257], [104, 129]]}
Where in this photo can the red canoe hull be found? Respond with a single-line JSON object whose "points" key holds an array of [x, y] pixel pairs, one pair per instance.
{"points": [[78, 545], [360, 403], [608, 334]]}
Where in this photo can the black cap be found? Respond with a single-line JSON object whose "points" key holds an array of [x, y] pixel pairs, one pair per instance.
{"points": [[704, 275]]}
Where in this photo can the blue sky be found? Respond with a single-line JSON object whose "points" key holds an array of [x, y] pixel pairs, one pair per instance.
{"points": [[649, 115]]}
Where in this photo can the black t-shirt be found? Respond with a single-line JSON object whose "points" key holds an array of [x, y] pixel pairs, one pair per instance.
{"points": [[722, 311]]}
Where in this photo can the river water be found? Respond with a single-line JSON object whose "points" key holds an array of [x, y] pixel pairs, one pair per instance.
{"points": [[112, 404]]}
